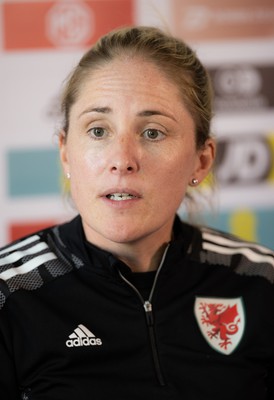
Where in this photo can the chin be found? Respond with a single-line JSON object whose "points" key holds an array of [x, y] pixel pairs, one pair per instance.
{"points": [[123, 237], [112, 233]]}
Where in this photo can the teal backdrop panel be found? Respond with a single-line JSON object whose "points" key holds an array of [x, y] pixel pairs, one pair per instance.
{"points": [[33, 172]]}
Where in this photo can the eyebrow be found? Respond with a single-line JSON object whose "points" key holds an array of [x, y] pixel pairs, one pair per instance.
{"points": [[103, 110], [145, 113], [148, 113]]}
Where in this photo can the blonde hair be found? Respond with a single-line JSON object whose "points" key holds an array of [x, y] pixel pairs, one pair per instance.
{"points": [[171, 55]]}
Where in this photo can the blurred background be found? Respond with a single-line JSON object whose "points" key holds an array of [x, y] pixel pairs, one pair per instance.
{"points": [[41, 41]]}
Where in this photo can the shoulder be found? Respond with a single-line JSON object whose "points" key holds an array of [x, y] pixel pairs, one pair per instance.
{"points": [[30, 262], [245, 258]]}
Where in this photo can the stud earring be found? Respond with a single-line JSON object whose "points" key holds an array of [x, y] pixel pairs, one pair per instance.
{"points": [[194, 181], [68, 175]]}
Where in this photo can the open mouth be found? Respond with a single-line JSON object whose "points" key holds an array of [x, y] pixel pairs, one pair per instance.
{"points": [[121, 196]]}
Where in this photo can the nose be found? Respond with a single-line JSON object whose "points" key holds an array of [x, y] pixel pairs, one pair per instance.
{"points": [[124, 156]]}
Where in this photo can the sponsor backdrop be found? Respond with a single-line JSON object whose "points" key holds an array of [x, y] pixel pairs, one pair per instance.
{"points": [[41, 41]]}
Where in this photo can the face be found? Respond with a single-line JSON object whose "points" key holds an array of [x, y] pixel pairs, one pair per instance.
{"points": [[130, 151]]}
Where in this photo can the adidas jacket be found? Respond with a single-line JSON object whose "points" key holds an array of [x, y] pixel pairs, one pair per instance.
{"points": [[75, 323]]}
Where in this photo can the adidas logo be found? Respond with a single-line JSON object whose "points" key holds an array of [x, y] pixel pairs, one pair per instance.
{"points": [[82, 337]]}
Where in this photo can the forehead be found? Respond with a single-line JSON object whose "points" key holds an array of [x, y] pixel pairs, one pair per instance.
{"points": [[129, 78]]}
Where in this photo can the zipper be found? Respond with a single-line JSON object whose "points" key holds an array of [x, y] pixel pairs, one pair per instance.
{"points": [[147, 304], [25, 395]]}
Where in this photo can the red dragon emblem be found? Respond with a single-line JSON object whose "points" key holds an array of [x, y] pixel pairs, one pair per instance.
{"points": [[221, 322]]}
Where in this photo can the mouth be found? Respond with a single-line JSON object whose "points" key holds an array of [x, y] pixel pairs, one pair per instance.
{"points": [[121, 196]]}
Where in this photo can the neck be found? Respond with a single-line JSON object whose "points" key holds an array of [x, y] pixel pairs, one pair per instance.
{"points": [[142, 254], [142, 259]]}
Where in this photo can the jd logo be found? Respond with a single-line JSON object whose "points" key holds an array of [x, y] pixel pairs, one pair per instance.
{"points": [[245, 161]]}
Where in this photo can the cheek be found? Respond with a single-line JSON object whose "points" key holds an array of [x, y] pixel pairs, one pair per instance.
{"points": [[170, 183], [180, 167], [85, 162]]}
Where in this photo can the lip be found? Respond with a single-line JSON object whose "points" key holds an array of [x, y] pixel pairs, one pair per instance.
{"points": [[125, 204], [132, 192]]}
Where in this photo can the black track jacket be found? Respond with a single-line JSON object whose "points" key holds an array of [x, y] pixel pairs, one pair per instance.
{"points": [[74, 326]]}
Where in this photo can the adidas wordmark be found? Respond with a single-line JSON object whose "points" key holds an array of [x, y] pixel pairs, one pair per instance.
{"points": [[82, 336]]}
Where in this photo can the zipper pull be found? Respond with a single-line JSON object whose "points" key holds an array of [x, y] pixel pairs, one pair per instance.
{"points": [[148, 310]]}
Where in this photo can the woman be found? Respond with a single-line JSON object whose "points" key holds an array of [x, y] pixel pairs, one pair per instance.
{"points": [[126, 301]]}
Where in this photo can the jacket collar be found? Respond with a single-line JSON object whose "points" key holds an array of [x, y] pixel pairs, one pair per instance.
{"points": [[84, 254]]}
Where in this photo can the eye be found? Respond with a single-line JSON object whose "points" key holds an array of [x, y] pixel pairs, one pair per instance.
{"points": [[97, 132], [153, 134]]}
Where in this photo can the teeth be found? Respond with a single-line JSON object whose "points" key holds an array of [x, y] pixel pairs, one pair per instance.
{"points": [[120, 196]]}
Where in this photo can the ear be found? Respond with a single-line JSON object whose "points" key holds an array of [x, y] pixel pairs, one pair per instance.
{"points": [[205, 160], [63, 152]]}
